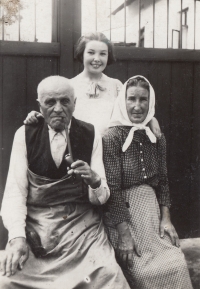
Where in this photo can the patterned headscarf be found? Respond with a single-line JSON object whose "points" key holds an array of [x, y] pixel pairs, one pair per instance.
{"points": [[120, 116]]}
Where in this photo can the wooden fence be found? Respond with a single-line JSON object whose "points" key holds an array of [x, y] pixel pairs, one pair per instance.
{"points": [[174, 75]]}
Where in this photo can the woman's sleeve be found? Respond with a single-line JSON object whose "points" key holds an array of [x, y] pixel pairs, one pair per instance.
{"points": [[163, 186], [112, 162], [118, 86]]}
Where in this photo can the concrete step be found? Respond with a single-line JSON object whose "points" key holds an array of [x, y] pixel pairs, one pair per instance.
{"points": [[191, 249]]}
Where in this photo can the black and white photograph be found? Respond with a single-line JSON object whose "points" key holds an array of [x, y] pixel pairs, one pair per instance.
{"points": [[99, 144]]}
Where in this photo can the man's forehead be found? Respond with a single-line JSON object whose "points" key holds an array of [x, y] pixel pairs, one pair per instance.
{"points": [[57, 92], [58, 88], [68, 93]]}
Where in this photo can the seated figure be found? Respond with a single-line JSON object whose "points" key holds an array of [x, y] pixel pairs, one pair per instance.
{"points": [[137, 216], [56, 182]]}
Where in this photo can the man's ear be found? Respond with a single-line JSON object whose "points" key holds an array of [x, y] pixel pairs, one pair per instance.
{"points": [[74, 103], [38, 104]]}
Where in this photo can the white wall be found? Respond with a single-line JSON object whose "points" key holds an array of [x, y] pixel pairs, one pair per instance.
{"points": [[132, 21]]}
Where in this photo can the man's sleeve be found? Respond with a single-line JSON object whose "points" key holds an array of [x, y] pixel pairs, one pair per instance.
{"points": [[101, 194], [14, 208]]}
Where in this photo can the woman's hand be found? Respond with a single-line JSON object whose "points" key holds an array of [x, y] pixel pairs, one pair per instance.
{"points": [[167, 227], [32, 117], [154, 126], [126, 246]]}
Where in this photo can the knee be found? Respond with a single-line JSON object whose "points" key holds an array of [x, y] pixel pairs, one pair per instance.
{"points": [[5, 282]]}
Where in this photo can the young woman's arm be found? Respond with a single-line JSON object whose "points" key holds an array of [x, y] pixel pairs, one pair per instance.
{"points": [[32, 117], [154, 126]]}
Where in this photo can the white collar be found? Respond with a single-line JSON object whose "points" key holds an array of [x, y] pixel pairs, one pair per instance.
{"points": [[52, 132]]}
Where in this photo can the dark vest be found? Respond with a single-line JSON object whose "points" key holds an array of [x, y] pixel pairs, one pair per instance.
{"points": [[39, 156]]}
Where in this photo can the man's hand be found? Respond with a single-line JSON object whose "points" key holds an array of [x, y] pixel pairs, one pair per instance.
{"points": [[89, 176], [14, 256], [166, 226], [126, 246], [32, 117]]}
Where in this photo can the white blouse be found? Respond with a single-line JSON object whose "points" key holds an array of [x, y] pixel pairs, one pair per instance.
{"points": [[96, 109]]}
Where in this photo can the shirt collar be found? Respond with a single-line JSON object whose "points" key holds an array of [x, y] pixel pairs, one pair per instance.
{"points": [[52, 132]]}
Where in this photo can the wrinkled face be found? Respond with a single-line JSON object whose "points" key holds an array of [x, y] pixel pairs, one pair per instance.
{"points": [[57, 107], [95, 56], [137, 103]]}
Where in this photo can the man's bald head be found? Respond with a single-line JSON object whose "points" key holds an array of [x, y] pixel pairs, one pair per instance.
{"points": [[56, 100], [54, 84]]}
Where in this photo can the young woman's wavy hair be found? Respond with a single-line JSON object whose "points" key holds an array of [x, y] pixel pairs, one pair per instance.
{"points": [[98, 36]]}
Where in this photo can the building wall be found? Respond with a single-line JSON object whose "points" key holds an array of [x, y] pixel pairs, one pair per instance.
{"points": [[132, 22]]}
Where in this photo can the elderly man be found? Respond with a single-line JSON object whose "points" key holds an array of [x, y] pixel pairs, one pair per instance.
{"points": [[56, 236]]}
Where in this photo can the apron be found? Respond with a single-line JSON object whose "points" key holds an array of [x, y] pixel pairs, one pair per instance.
{"points": [[77, 253]]}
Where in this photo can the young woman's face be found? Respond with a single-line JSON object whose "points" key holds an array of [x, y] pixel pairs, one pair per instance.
{"points": [[137, 103], [95, 56]]}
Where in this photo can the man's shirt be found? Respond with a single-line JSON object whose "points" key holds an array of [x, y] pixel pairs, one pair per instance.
{"points": [[14, 209]]}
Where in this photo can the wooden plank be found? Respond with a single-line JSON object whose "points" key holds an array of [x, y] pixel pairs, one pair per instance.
{"points": [[29, 48], [117, 70], [54, 21], [38, 69], [195, 166], [3, 232], [156, 54], [1, 127], [138, 68], [66, 38], [160, 78], [76, 31], [14, 103], [180, 144]]}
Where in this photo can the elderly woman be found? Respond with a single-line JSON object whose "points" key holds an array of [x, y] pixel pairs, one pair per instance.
{"points": [[137, 215]]}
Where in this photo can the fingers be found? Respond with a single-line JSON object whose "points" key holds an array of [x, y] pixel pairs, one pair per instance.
{"points": [[130, 260], [23, 259], [124, 258], [137, 250], [32, 117], [171, 235], [77, 164], [30, 120], [9, 265], [157, 133], [177, 242], [70, 172], [14, 263], [162, 231], [39, 115], [170, 230], [174, 237], [80, 168], [3, 262], [15, 255]]}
